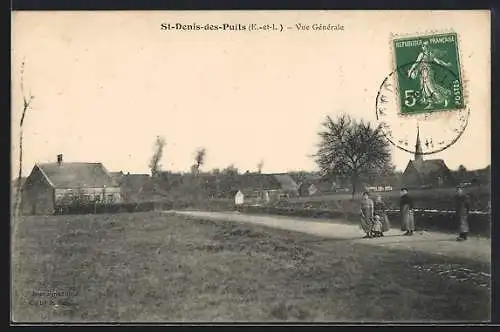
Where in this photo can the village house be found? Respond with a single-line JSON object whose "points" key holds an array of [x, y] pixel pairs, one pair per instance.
{"points": [[251, 197], [475, 177], [287, 184], [254, 188], [117, 176], [425, 173], [383, 182], [311, 185], [51, 186], [308, 189]]}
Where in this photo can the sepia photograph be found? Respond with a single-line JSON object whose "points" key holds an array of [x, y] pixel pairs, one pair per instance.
{"points": [[251, 167]]}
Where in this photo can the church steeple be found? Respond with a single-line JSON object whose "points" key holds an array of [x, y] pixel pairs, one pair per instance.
{"points": [[419, 156]]}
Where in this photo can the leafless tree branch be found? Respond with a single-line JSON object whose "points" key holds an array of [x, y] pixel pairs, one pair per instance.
{"points": [[154, 164], [199, 160], [27, 100], [351, 149]]}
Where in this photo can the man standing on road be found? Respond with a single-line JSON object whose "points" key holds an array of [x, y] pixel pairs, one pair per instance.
{"points": [[406, 211], [462, 206]]}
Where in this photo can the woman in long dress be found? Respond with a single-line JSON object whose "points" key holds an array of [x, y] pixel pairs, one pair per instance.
{"points": [[462, 206], [366, 212], [380, 212], [406, 211], [431, 92]]}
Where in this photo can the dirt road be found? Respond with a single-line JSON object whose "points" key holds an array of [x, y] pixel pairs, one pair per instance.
{"points": [[432, 242]]}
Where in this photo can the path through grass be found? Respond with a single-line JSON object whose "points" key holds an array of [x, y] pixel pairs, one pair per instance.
{"points": [[157, 267]]}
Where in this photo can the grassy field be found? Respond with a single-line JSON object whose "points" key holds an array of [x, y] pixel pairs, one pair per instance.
{"points": [[153, 267]]}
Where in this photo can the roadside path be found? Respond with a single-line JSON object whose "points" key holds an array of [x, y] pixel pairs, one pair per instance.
{"points": [[431, 242]]}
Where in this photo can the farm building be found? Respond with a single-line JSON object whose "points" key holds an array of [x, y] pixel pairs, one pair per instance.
{"points": [[227, 185], [308, 189], [420, 172], [473, 177], [287, 184], [251, 197], [117, 176], [310, 185], [253, 188], [54, 185], [274, 184], [382, 182]]}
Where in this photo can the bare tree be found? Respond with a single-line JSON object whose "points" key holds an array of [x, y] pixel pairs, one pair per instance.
{"points": [[351, 148], [154, 164], [27, 99], [199, 160], [260, 166]]}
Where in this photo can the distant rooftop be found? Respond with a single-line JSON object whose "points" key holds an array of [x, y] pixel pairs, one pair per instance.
{"points": [[77, 175]]}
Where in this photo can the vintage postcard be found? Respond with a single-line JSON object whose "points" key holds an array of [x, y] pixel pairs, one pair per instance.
{"points": [[251, 166]]}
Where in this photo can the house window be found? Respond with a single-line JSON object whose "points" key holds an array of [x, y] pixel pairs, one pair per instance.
{"points": [[110, 198]]}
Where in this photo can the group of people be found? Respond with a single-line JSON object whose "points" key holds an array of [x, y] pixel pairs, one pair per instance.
{"points": [[374, 219]]}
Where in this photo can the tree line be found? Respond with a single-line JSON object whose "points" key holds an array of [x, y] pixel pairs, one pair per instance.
{"points": [[349, 149]]}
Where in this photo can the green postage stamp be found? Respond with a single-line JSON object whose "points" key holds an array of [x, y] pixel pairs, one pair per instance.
{"points": [[428, 73]]}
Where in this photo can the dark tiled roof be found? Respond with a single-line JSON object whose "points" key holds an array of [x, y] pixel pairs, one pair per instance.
{"points": [[322, 184], [78, 175], [286, 181], [117, 176], [429, 166], [247, 182], [255, 181], [250, 193]]}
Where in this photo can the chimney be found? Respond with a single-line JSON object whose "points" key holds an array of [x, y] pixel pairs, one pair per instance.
{"points": [[59, 159]]}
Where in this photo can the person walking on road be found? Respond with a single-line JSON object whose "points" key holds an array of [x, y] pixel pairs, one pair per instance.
{"points": [[366, 212], [406, 211], [462, 207]]}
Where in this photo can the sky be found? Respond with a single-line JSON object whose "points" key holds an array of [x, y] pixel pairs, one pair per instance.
{"points": [[105, 84]]}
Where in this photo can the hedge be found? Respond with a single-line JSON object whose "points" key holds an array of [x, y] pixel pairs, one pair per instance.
{"points": [[480, 224], [105, 208], [144, 207]]}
